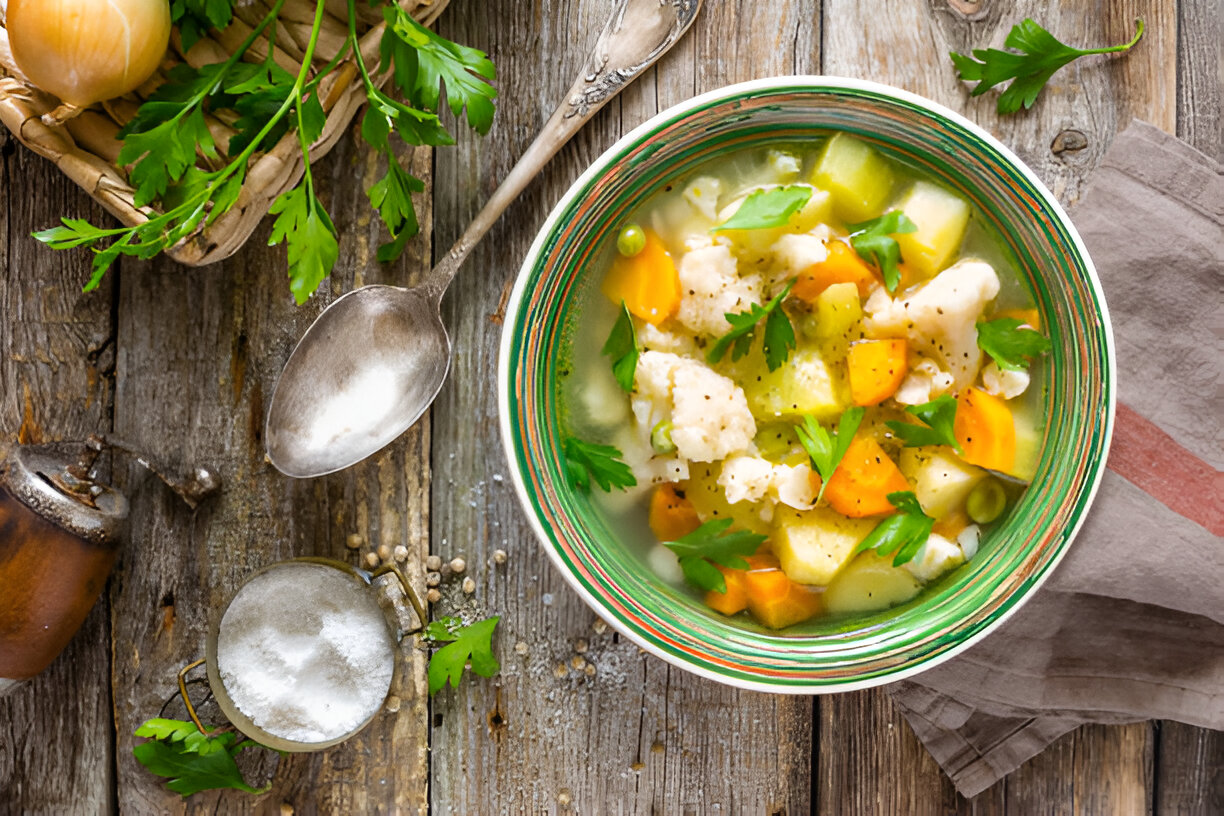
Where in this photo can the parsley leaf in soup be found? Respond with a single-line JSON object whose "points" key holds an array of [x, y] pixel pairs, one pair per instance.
{"points": [[621, 346], [710, 544], [192, 761], [874, 243], [1010, 342], [586, 462], [465, 644], [940, 417], [825, 450], [1040, 55], [765, 209], [903, 533], [779, 333]]}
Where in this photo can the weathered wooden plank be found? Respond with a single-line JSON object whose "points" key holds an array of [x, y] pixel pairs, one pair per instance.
{"points": [[1062, 138], [1189, 771], [871, 762], [199, 352], [1199, 118], [636, 736], [56, 361]]}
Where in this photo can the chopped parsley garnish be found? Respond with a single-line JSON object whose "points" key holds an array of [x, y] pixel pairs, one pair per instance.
{"points": [[779, 333], [1009, 342], [940, 417], [1041, 54], [711, 544], [903, 533], [586, 462], [827, 450], [465, 644], [766, 209], [874, 243], [621, 346]]}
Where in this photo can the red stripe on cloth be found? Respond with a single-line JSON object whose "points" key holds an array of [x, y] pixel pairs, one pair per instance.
{"points": [[1154, 462]]}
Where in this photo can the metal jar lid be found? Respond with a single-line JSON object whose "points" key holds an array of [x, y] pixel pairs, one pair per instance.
{"points": [[41, 477]]}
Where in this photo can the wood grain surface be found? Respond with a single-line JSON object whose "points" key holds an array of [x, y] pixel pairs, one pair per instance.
{"points": [[182, 362]]}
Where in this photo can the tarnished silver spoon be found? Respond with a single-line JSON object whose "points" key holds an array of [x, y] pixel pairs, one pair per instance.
{"points": [[374, 360]]}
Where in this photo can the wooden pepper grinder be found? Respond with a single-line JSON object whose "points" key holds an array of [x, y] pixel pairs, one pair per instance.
{"points": [[59, 535]]}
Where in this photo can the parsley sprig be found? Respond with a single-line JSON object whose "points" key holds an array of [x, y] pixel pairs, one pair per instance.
{"points": [[587, 462], [903, 533], [826, 450], [621, 346], [765, 209], [465, 645], [779, 334], [1040, 55], [170, 132], [193, 762], [712, 543], [874, 243], [1010, 343], [939, 416]]}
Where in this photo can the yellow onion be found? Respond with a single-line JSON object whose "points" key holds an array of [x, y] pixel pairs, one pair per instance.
{"points": [[87, 51]]}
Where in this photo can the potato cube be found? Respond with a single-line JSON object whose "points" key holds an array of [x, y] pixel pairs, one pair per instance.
{"points": [[813, 545], [804, 384], [838, 309], [869, 583], [941, 218], [856, 176], [943, 481]]}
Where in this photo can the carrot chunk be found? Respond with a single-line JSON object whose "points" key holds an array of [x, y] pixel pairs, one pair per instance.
{"points": [[775, 600], [985, 429], [672, 516], [735, 599], [648, 282], [842, 265], [862, 482], [876, 369]]}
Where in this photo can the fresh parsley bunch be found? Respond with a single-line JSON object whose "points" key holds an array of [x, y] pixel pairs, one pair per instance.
{"points": [[169, 136]]}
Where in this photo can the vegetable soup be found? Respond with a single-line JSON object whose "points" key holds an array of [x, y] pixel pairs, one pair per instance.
{"points": [[806, 384]]}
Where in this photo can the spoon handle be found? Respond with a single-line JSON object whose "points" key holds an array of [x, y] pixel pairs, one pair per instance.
{"points": [[636, 35]]}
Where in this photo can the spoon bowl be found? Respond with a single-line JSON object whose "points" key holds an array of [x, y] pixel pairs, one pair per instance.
{"points": [[367, 369], [374, 360]]}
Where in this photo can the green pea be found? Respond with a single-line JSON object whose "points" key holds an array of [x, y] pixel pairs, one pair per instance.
{"points": [[809, 326], [986, 501], [631, 240], [660, 437]]}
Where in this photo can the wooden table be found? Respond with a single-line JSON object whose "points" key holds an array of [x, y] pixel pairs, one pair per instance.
{"points": [[181, 361]]}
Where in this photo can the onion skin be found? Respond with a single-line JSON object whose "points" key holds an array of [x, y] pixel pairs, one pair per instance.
{"points": [[87, 51]]}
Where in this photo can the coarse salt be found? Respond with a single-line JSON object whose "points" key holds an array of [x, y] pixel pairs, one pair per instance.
{"points": [[305, 652]]}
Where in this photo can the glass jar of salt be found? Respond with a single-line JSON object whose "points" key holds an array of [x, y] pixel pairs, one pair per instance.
{"points": [[304, 656]]}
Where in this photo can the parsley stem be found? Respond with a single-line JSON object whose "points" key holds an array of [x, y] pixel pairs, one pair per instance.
{"points": [[1115, 48]]}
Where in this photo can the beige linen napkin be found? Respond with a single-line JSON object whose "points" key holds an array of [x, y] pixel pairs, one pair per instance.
{"points": [[1131, 624]]}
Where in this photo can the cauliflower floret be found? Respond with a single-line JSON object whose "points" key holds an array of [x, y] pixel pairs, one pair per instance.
{"points": [[711, 287], [746, 478], [968, 540], [709, 413], [603, 400], [653, 338], [793, 486], [703, 192], [937, 556], [710, 416], [784, 165], [793, 253], [925, 382], [941, 316], [1004, 383]]}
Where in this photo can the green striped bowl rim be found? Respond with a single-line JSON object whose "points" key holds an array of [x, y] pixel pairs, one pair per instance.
{"points": [[835, 654]]}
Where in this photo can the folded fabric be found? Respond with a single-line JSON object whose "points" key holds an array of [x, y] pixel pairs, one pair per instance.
{"points": [[1131, 624]]}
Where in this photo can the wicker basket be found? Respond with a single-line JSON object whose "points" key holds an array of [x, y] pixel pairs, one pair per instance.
{"points": [[85, 148]]}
